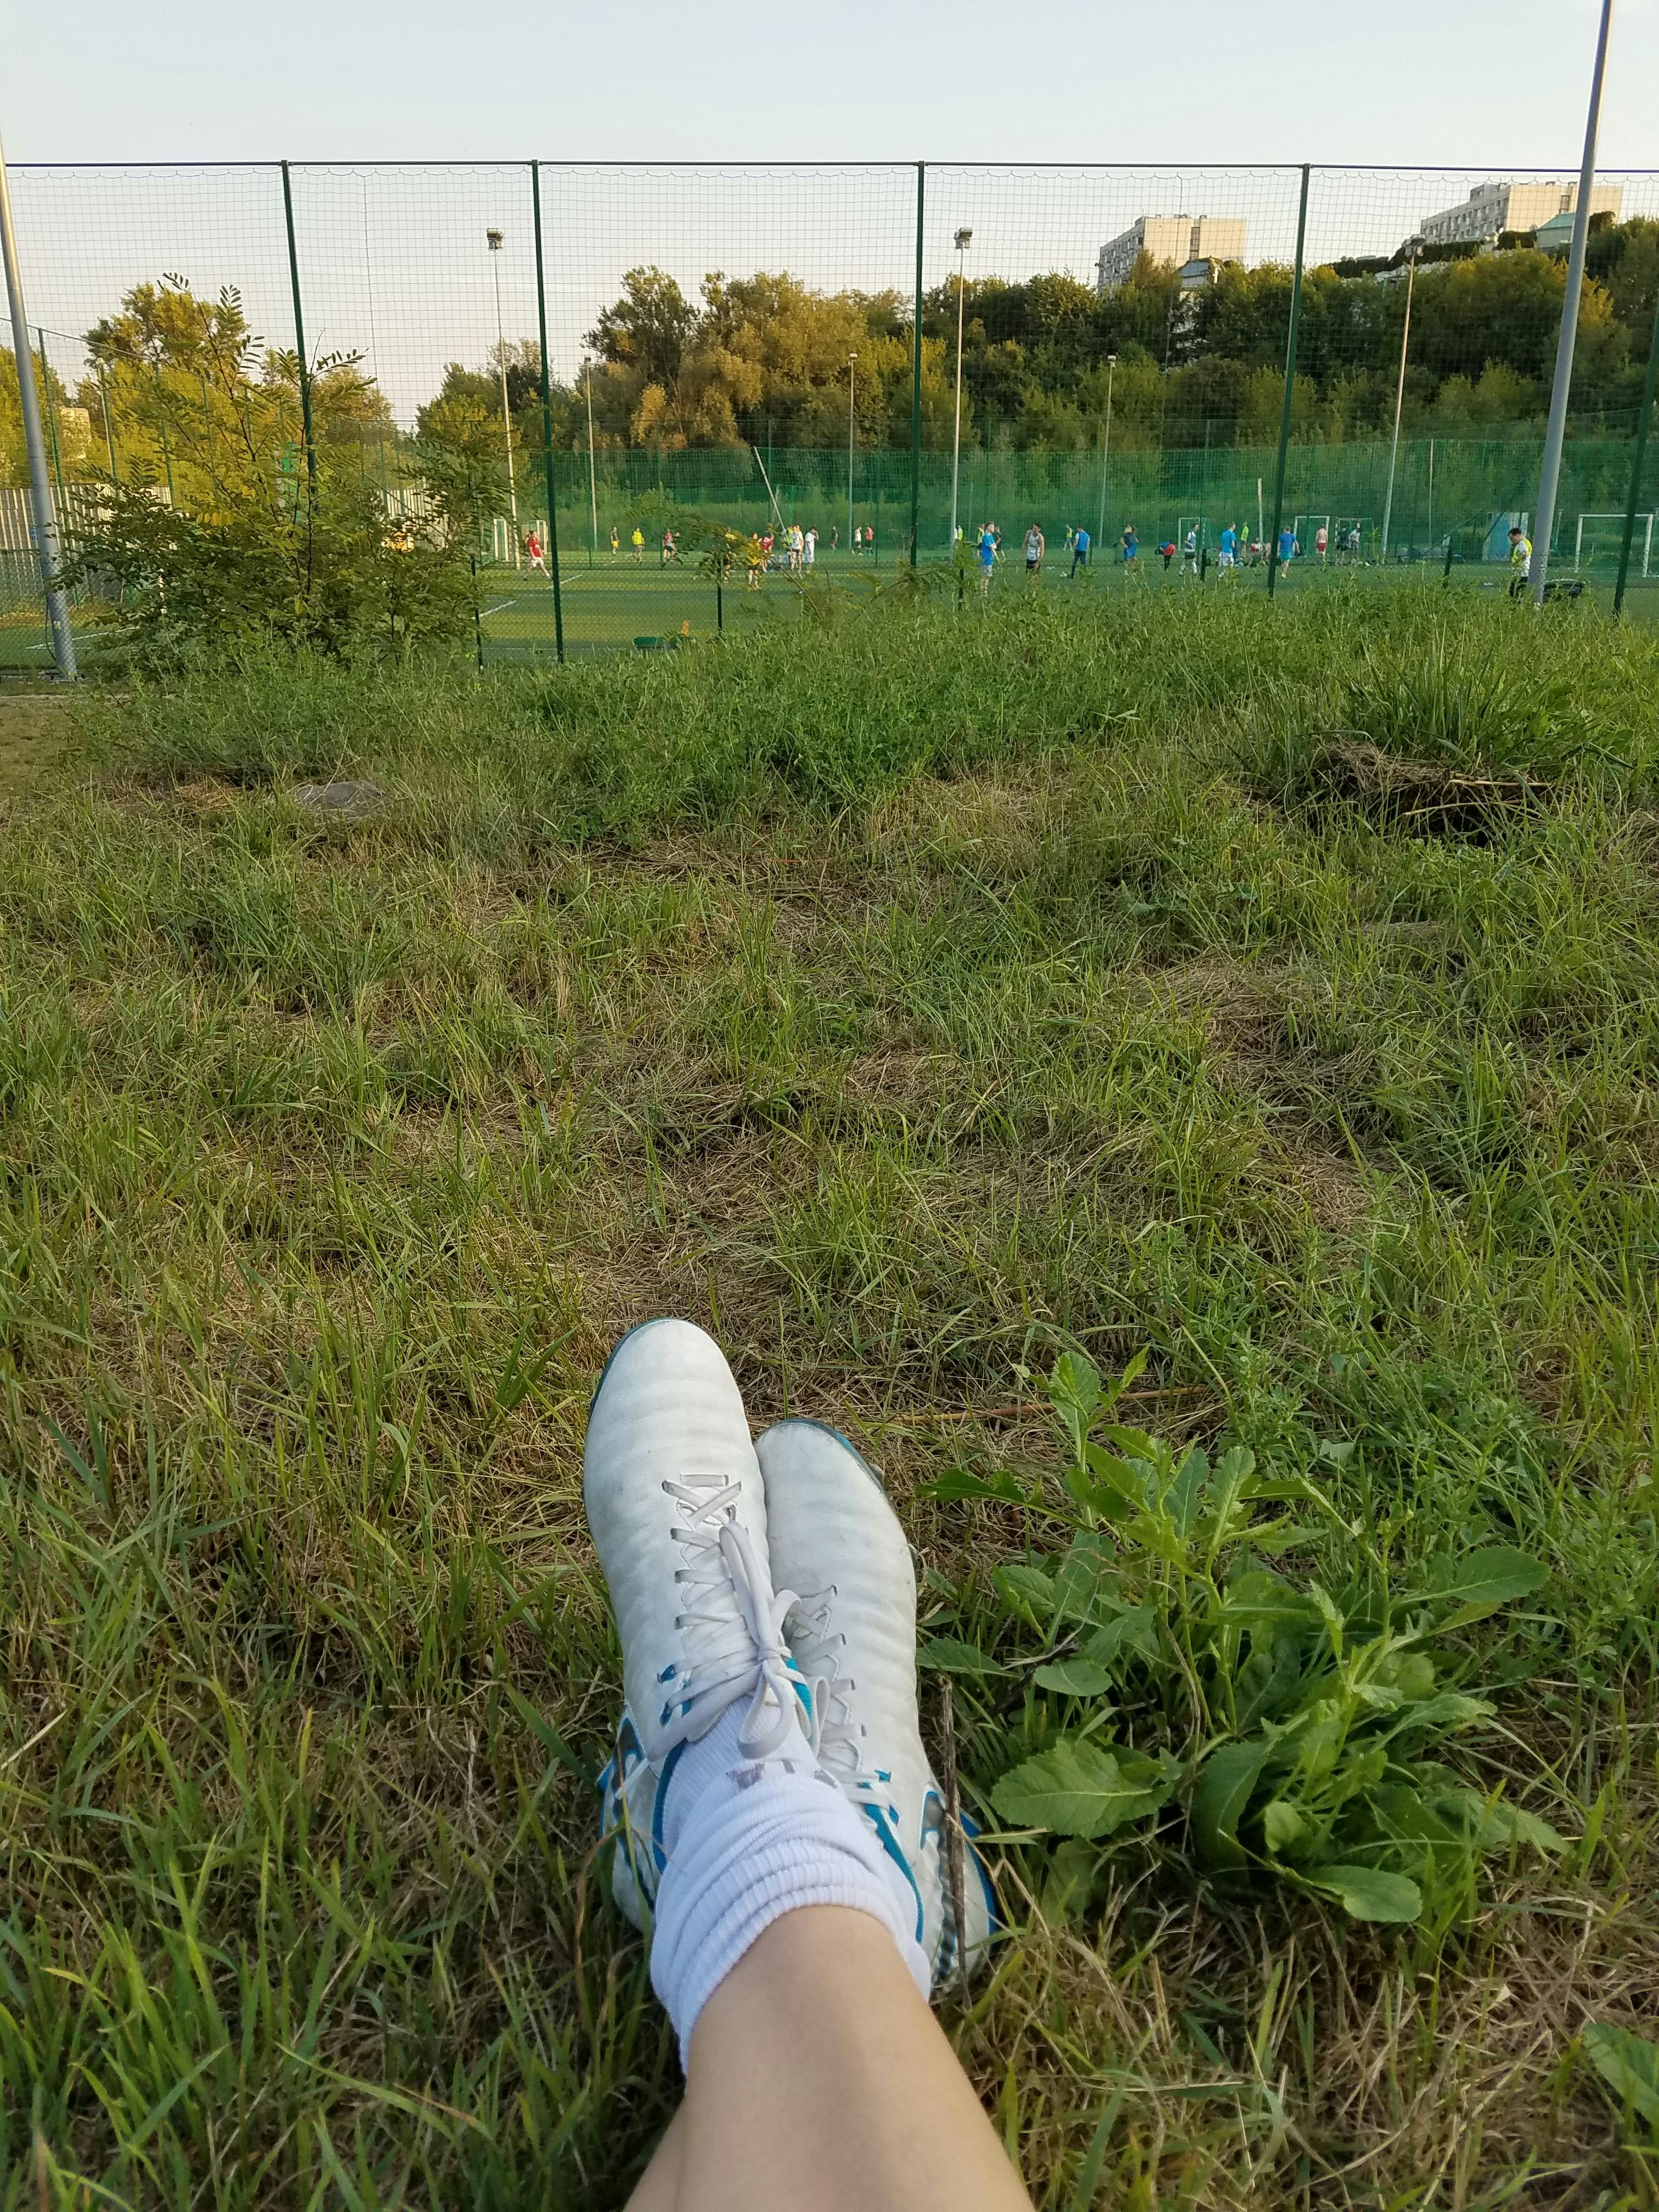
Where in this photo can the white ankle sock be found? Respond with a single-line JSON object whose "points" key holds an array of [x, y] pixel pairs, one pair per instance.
{"points": [[747, 1841]]}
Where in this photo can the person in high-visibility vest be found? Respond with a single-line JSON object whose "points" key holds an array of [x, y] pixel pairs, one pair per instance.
{"points": [[1520, 559]]}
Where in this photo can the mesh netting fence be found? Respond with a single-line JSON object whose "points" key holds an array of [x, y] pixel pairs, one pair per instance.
{"points": [[732, 406]]}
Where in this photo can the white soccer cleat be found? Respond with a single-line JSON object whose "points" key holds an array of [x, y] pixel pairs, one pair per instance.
{"points": [[678, 1510], [837, 1542]]}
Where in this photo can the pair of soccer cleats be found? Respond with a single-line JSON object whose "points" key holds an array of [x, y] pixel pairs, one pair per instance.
{"points": [[772, 1572]]}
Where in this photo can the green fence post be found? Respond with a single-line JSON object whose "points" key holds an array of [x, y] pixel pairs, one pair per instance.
{"points": [[51, 424], [915, 378], [161, 419], [299, 332], [1635, 468], [109, 422], [1290, 385], [547, 417]]}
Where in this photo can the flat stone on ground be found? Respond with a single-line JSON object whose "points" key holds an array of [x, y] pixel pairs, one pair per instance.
{"points": [[345, 801]]}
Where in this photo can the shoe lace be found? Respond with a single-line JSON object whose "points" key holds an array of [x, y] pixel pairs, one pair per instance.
{"points": [[733, 1624], [818, 1646]]}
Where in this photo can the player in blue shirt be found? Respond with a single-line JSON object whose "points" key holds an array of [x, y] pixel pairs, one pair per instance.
{"points": [[1080, 551], [1131, 546], [1286, 546], [988, 555], [1227, 552]]}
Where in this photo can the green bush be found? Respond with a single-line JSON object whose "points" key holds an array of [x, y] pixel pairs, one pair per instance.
{"points": [[326, 572]]}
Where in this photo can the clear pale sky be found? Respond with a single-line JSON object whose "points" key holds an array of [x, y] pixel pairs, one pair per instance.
{"points": [[1488, 82]]}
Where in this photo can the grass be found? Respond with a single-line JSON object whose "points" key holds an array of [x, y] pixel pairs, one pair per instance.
{"points": [[904, 995]]}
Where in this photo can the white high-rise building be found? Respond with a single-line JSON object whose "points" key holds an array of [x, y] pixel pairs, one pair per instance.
{"points": [[1493, 208], [1171, 241]]}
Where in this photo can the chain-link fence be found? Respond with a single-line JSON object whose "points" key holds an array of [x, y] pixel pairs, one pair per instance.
{"points": [[641, 402]]}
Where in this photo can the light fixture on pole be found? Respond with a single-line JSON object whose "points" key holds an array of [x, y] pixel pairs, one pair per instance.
{"points": [[852, 387], [1550, 475], [494, 238], [592, 486], [964, 239], [1105, 449], [1399, 400]]}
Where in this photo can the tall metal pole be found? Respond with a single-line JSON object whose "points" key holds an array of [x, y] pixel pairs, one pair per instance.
{"points": [[852, 389], [494, 238], [1549, 479], [45, 514], [592, 480], [1105, 451], [299, 338], [1290, 385], [964, 239], [916, 377], [1641, 422], [1398, 403], [546, 414]]}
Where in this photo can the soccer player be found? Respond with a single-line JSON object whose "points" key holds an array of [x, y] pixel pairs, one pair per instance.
{"points": [[769, 1814], [615, 548], [532, 546], [810, 552], [639, 543], [988, 555], [1287, 547], [670, 549], [1190, 552], [1321, 540], [1520, 561], [1034, 548], [1167, 553], [1079, 553], [1131, 545], [1227, 551]]}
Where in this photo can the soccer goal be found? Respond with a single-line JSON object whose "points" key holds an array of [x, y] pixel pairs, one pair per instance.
{"points": [[1353, 537], [1601, 537], [1308, 527]]}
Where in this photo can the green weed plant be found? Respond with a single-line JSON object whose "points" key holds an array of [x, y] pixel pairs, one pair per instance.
{"points": [[1296, 1727]]}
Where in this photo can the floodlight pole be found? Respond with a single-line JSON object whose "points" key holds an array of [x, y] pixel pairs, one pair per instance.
{"points": [[1549, 479], [964, 239], [1105, 451], [1641, 422], [852, 387], [45, 514], [1398, 403], [494, 238]]}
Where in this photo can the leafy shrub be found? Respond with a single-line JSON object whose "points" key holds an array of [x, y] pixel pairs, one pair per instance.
{"points": [[328, 573], [1296, 1727]]}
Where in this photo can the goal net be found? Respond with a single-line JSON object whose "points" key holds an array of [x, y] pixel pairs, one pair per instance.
{"points": [[1598, 540]]}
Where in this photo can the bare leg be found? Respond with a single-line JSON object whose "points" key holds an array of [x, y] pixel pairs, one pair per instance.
{"points": [[819, 2080], [658, 2187]]}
